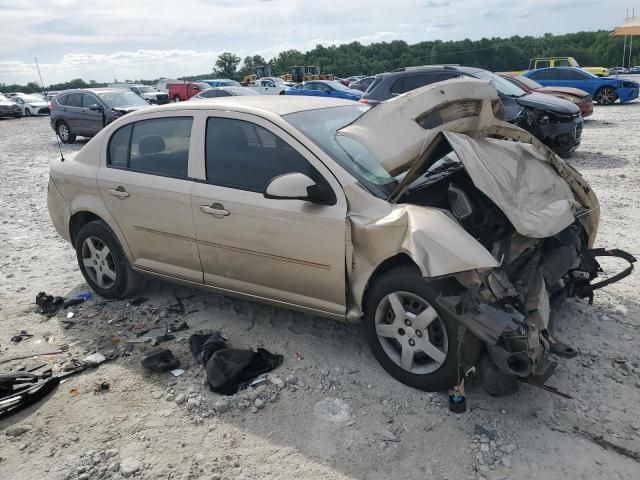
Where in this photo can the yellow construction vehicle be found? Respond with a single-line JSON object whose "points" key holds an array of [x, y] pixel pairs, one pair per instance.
{"points": [[299, 74], [261, 71]]}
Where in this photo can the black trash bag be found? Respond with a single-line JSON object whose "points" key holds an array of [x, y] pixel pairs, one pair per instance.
{"points": [[231, 369], [160, 361], [48, 304], [203, 345]]}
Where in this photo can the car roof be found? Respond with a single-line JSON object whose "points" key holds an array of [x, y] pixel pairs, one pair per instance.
{"points": [[93, 90], [429, 68], [278, 104]]}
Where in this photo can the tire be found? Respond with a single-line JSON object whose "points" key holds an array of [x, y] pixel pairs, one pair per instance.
{"points": [[27, 112], [176, 98], [64, 132], [103, 263], [416, 295], [18, 115], [606, 96]]}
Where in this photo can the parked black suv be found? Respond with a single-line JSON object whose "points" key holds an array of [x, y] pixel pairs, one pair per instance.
{"points": [[556, 122], [84, 112]]}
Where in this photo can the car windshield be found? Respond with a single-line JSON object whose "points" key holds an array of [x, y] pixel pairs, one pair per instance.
{"points": [[502, 85], [528, 82], [31, 98], [146, 89], [121, 99], [240, 91], [321, 126]]}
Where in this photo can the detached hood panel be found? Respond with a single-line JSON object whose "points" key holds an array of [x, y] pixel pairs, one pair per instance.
{"points": [[535, 199]]}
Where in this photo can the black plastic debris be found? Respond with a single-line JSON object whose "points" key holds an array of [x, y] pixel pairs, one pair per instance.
{"points": [[230, 369], [21, 336], [22, 389], [72, 303], [48, 304], [160, 361]]}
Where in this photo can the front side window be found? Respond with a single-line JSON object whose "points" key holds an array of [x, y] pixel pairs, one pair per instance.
{"points": [[122, 98], [159, 146], [543, 64], [88, 100], [246, 156]]}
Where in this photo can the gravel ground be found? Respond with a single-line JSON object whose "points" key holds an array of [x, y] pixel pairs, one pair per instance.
{"points": [[329, 411]]}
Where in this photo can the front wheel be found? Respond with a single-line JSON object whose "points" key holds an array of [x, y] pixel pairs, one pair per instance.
{"points": [[410, 336], [176, 98], [27, 112], [102, 261], [606, 96]]}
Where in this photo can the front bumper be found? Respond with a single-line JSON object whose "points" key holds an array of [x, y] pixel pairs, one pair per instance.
{"points": [[562, 137], [626, 94]]}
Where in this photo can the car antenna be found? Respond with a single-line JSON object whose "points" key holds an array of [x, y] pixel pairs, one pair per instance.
{"points": [[42, 83]]}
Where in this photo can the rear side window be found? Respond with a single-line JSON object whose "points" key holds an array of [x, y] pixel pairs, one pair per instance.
{"points": [[411, 82], [74, 100], [544, 75], [159, 146], [215, 93], [63, 99], [245, 156]]}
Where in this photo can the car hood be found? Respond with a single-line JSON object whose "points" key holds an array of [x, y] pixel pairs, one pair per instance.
{"points": [[568, 90], [535, 189], [548, 102]]}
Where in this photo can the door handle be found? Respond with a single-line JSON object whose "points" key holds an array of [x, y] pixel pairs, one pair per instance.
{"points": [[119, 192], [215, 209]]}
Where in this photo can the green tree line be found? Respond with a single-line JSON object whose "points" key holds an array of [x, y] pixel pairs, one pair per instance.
{"points": [[496, 54]]}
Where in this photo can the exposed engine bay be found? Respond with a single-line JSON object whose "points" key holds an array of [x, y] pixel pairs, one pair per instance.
{"points": [[508, 308]]}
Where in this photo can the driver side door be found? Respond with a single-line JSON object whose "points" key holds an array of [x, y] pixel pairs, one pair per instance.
{"points": [[291, 252]]}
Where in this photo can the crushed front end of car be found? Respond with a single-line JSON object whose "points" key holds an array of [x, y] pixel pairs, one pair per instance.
{"points": [[485, 204]]}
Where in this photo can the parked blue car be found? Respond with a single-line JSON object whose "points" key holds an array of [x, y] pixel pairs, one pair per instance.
{"points": [[604, 90], [324, 88]]}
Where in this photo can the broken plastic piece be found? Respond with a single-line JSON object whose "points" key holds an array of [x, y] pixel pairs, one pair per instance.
{"points": [[177, 372], [94, 359]]}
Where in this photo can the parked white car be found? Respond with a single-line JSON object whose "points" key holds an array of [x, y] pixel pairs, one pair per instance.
{"points": [[32, 105], [269, 86]]}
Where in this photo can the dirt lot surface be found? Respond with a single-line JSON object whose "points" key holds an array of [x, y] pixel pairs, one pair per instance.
{"points": [[329, 411]]}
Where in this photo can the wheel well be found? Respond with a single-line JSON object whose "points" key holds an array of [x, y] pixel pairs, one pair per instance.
{"points": [[399, 260], [79, 220]]}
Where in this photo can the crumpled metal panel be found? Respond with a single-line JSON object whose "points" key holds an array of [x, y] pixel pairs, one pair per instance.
{"points": [[516, 177]]}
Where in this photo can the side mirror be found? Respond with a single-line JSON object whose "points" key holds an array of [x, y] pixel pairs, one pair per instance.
{"points": [[297, 186], [95, 107]]}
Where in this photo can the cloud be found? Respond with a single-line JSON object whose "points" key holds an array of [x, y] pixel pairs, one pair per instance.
{"points": [[436, 3]]}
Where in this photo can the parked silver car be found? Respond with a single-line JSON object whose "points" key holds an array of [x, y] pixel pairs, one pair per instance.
{"points": [[9, 108], [412, 215]]}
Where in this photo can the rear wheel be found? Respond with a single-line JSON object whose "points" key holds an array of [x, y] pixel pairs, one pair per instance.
{"points": [[176, 98], [414, 341], [27, 112], [64, 132], [103, 262], [606, 96]]}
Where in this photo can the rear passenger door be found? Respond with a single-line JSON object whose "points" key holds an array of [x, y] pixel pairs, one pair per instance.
{"points": [[73, 112], [144, 181], [290, 251]]}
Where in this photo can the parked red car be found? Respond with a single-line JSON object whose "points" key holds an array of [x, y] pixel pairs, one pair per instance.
{"points": [[182, 91], [581, 98]]}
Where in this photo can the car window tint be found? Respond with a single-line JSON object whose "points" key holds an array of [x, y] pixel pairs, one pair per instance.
{"points": [[63, 99], [119, 147], [74, 100], [544, 75], [210, 94], [88, 100], [411, 82], [243, 155], [160, 146], [571, 75]]}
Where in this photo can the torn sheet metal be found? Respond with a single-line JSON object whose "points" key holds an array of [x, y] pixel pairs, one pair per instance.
{"points": [[430, 237], [535, 199]]}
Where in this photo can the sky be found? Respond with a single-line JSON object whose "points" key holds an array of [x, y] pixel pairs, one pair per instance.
{"points": [[104, 40]]}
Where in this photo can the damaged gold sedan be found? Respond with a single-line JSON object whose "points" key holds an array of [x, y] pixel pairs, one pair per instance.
{"points": [[448, 230]]}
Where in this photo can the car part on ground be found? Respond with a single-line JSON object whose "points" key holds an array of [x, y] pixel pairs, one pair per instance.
{"points": [[449, 229], [554, 121]]}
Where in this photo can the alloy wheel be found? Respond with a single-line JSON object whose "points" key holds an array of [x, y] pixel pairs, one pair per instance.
{"points": [[98, 262], [606, 96], [411, 333], [63, 132]]}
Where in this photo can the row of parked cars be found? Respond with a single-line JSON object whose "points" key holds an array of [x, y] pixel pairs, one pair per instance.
{"points": [[22, 104]]}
